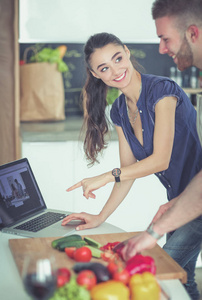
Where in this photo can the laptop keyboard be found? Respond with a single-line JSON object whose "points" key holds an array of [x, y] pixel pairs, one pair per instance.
{"points": [[41, 222]]}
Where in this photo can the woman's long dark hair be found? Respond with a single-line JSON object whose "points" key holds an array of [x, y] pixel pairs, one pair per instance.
{"points": [[94, 99]]}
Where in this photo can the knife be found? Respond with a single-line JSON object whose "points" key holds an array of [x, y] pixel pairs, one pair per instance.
{"points": [[119, 246]]}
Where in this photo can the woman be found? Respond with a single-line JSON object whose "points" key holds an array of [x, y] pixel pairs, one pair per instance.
{"points": [[155, 122]]}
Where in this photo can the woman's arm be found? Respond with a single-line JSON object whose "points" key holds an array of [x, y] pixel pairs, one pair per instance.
{"points": [[117, 195]]}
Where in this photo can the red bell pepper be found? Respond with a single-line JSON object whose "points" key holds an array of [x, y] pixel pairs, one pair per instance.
{"points": [[140, 263], [109, 246]]}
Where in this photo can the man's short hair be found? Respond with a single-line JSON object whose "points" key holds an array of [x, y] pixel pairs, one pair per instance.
{"points": [[187, 11]]}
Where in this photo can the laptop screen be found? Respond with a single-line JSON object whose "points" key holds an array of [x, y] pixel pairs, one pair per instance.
{"points": [[20, 196]]}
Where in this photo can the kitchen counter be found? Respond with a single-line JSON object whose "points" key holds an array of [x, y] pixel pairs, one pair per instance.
{"points": [[11, 285], [59, 131]]}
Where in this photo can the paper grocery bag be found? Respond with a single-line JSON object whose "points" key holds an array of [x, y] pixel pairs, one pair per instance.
{"points": [[41, 92]]}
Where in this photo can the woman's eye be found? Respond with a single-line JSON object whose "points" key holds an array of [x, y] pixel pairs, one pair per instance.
{"points": [[104, 69], [119, 59]]}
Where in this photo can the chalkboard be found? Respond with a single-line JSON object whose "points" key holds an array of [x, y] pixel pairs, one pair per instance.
{"points": [[147, 55]]}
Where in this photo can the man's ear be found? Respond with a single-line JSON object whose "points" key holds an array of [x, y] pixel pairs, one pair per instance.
{"points": [[192, 33], [94, 74]]}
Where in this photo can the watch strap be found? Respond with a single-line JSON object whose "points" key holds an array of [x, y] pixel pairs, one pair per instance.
{"points": [[117, 179], [152, 232]]}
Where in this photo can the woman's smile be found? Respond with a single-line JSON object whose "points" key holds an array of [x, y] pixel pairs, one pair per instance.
{"points": [[120, 77]]}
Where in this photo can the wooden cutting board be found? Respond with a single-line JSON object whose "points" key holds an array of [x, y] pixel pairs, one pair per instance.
{"points": [[167, 268]]}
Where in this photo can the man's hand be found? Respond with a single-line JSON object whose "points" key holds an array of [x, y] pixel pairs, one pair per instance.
{"points": [[137, 244]]}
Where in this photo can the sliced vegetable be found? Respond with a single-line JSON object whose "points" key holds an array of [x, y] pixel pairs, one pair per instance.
{"points": [[140, 263], [68, 238], [109, 246], [110, 256], [82, 254], [92, 242], [77, 244], [144, 286], [101, 271], [110, 290], [87, 278], [95, 251]]}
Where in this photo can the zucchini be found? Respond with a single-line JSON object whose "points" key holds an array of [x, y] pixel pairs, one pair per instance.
{"points": [[68, 238], [95, 251], [78, 244], [92, 242], [101, 271]]}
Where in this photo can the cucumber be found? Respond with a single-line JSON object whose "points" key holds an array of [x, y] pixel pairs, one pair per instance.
{"points": [[78, 244], [95, 251], [68, 238], [92, 242]]}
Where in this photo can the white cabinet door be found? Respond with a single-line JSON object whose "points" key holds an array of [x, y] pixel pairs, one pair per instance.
{"points": [[53, 167]]}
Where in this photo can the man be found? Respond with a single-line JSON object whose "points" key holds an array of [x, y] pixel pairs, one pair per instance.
{"points": [[179, 27]]}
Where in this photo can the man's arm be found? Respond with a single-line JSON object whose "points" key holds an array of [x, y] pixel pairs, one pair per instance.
{"points": [[185, 208]]}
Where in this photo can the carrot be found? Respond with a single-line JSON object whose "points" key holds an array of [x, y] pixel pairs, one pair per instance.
{"points": [[62, 50]]}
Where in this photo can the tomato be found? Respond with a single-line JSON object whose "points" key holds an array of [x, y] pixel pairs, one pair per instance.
{"points": [[122, 276], [112, 267], [87, 278], [63, 276], [70, 251], [83, 254]]}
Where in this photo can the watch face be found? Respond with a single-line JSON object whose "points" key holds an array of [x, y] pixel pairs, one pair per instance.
{"points": [[116, 172]]}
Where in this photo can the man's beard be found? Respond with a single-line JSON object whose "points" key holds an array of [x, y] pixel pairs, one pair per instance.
{"points": [[184, 56]]}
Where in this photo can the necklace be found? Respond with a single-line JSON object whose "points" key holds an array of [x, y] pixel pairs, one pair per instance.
{"points": [[132, 119]]}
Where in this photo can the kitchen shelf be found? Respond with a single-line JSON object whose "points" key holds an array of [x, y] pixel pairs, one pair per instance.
{"points": [[192, 91]]}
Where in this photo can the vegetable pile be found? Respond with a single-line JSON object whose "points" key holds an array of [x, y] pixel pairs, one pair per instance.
{"points": [[111, 279], [51, 56]]}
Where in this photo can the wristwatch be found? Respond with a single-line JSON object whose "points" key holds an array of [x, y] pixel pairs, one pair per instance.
{"points": [[152, 232], [116, 173]]}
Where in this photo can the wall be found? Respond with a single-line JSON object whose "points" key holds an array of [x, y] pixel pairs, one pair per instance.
{"points": [[75, 21]]}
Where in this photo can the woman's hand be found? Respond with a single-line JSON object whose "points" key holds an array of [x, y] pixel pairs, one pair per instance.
{"points": [[91, 221], [137, 244], [91, 184]]}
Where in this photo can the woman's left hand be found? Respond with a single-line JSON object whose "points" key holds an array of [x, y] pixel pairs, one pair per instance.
{"points": [[90, 184]]}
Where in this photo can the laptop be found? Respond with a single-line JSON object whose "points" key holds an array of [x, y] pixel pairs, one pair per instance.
{"points": [[23, 210]]}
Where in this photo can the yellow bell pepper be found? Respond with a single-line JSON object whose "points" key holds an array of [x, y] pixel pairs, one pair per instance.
{"points": [[144, 286], [110, 290]]}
